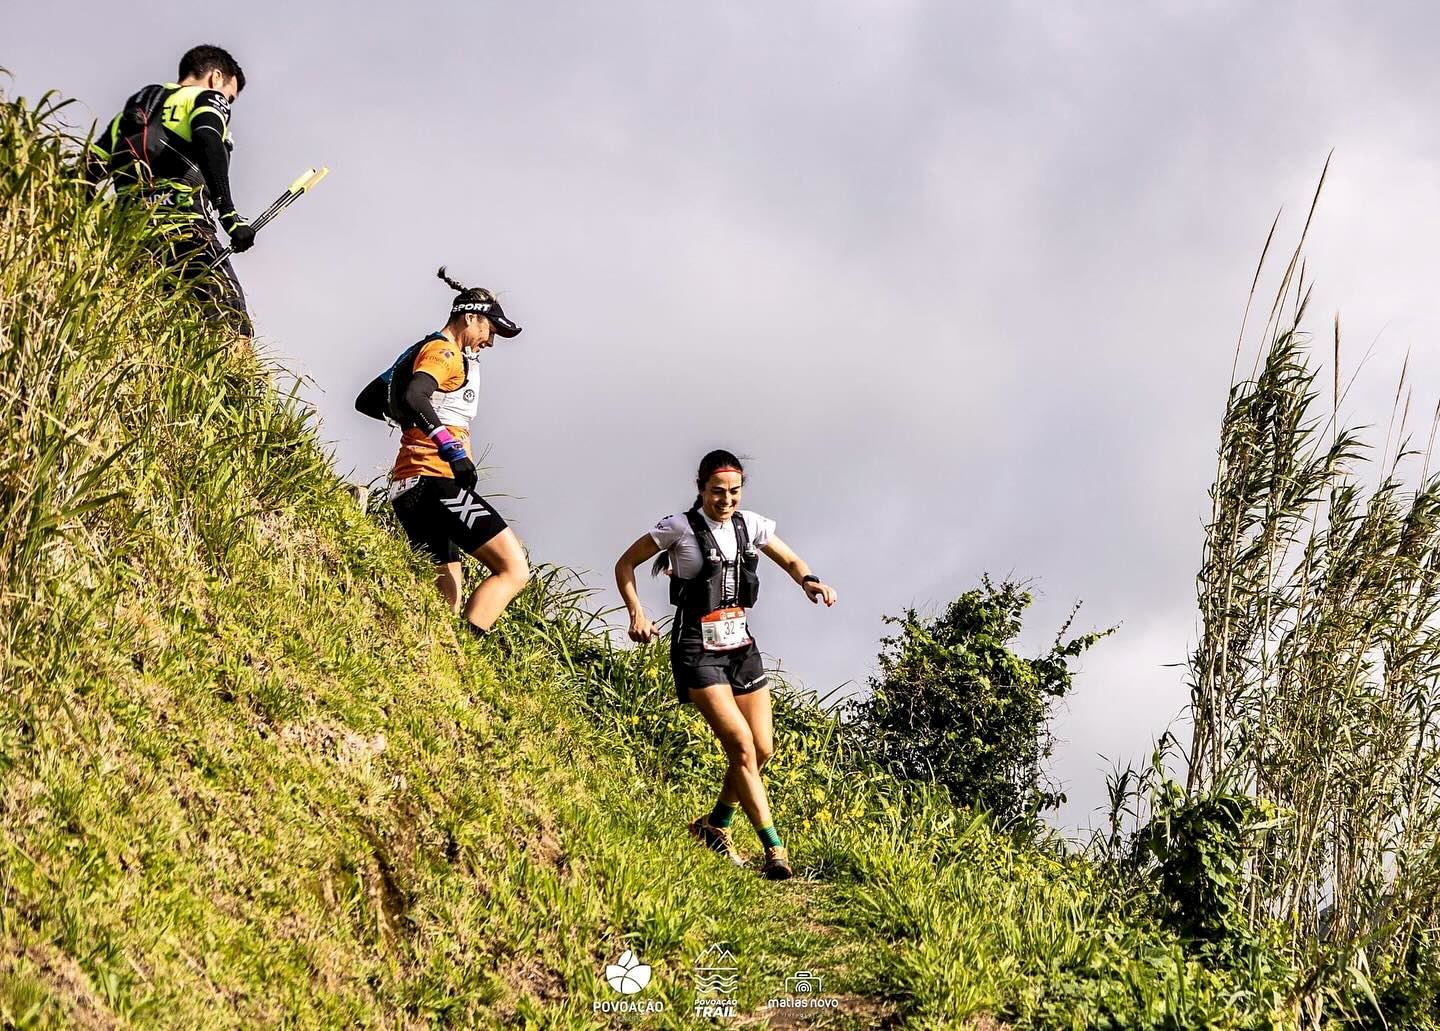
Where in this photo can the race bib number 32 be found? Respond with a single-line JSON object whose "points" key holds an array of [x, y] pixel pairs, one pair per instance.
{"points": [[724, 630]]}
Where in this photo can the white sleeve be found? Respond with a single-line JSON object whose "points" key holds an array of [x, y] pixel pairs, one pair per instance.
{"points": [[760, 528], [669, 530]]}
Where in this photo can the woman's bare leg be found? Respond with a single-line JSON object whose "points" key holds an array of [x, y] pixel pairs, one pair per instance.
{"points": [[742, 779], [754, 706], [504, 556], [447, 579]]}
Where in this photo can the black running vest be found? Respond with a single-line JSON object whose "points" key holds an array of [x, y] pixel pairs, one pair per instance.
{"points": [[705, 592]]}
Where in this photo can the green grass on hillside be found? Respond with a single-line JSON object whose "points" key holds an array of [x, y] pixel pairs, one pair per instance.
{"points": [[250, 775]]}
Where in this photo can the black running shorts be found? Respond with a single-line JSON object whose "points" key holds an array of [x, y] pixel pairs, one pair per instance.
{"points": [[742, 669], [445, 520]]}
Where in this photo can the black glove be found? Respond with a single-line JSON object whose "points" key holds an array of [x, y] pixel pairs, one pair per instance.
{"points": [[464, 471], [242, 237]]}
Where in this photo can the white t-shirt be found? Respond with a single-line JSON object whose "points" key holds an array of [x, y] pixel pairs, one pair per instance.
{"points": [[673, 534]]}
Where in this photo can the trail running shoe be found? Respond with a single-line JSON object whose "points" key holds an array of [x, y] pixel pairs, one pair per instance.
{"points": [[717, 839], [777, 864]]}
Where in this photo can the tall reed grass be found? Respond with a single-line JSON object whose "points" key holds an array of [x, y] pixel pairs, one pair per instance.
{"points": [[1316, 679]]}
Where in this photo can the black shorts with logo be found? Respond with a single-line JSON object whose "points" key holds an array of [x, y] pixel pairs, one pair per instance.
{"points": [[742, 668], [444, 519]]}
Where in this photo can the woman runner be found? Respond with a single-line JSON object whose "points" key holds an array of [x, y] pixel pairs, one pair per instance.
{"points": [[712, 553], [432, 391]]}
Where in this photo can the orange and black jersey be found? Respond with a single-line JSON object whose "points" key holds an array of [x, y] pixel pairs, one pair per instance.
{"points": [[432, 384]]}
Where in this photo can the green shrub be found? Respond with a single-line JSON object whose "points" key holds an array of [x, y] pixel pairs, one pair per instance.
{"points": [[954, 704], [1198, 848]]}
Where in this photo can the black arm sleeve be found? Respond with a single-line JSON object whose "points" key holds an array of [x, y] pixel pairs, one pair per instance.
{"points": [[207, 133], [416, 402], [372, 400]]}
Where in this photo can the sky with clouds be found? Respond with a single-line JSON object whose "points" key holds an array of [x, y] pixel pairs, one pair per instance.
{"points": [[963, 282]]}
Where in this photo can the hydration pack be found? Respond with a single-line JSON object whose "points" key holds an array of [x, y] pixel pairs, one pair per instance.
{"points": [[383, 398], [138, 135], [706, 591]]}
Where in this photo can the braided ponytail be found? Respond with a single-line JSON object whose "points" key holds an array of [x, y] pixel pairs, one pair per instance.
{"points": [[465, 294], [449, 282]]}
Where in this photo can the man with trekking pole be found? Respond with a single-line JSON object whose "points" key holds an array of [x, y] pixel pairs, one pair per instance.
{"points": [[171, 144]]}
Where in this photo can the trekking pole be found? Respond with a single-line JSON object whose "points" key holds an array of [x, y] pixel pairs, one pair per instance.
{"points": [[292, 193], [290, 196]]}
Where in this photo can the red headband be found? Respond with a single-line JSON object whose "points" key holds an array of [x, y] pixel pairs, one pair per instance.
{"points": [[727, 469]]}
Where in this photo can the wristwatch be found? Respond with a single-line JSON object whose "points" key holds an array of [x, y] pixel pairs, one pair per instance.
{"points": [[810, 578]]}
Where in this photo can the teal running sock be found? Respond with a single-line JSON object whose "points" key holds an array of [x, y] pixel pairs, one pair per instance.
{"points": [[769, 837], [722, 815]]}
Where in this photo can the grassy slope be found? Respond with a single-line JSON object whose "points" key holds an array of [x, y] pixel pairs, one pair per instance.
{"points": [[251, 774]]}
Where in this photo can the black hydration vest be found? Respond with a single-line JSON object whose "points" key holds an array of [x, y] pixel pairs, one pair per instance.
{"points": [[385, 396], [137, 136], [397, 380], [147, 148], [705, 592]]}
